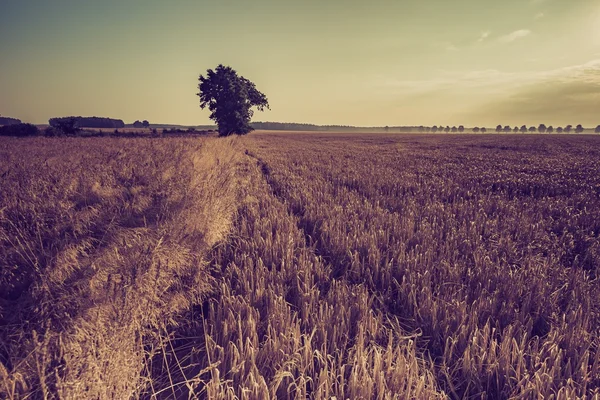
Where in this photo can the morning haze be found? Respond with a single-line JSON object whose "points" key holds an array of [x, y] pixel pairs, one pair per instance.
{"points": [[416, 216], [408, 62]]}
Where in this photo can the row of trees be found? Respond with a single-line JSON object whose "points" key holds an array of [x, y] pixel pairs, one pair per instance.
{"points": [[447, 129], [542, 129], [86, 122], [506, 129]]}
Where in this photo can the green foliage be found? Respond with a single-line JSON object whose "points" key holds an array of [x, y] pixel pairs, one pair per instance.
{"points": [[230, 97], [65, 125], [9, 121], [85, 122], [19, 130], [568, 128]]}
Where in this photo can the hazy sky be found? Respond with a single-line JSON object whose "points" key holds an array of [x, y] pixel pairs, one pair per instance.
{"points": [[403, 62]]}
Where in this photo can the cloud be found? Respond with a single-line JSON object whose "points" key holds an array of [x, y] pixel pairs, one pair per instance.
{"points": [[569, 95], [493, 78], [483, 36], [511, 37], [539, 15], [448, 46]]}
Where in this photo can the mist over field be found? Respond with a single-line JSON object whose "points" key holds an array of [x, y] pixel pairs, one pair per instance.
{"points": [[300, 200]]}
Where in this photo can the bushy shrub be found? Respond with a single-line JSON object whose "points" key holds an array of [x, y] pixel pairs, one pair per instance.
{"points": [[66, 125], [19, 130], [52, 131]]}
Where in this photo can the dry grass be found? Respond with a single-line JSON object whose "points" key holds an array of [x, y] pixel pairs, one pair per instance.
{"points": [[102, 244], [487, 247], [356, 267]]}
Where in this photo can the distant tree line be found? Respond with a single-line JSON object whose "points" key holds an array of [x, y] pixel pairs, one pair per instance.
{"points": [[294, 126], [9, 121], [542, 128], [87, 122], [19, 130], [143, 124]]}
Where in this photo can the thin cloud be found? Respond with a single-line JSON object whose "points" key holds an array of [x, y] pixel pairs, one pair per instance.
{"points": [[516, 35], [564, 95], [555, 96], [588, 73], [483, 36], [538, 16], [448, 46]]}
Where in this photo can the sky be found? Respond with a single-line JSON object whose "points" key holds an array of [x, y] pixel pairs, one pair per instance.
{"points": [[364, 63]]}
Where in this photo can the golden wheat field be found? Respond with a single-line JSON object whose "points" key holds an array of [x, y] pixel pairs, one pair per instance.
{"points": [[297, 266]]}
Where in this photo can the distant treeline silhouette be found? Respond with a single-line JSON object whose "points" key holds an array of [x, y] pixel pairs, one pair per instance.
{"points": [[141, 124], [89, 122], [542, 128], [9, 121], [294, 126]]}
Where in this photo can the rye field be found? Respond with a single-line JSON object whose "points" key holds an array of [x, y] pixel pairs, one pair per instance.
{"points": [[300, 265]]}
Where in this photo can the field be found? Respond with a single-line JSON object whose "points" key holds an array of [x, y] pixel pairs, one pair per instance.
{"points": [[304, 265]]}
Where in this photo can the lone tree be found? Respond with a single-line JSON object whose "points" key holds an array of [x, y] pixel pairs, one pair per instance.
{"points": [[65, 125], [550, 129], [229, 97], [542, 128], [523, 129], [579, 129], [597, 129], [145, 123], [568, 128]]}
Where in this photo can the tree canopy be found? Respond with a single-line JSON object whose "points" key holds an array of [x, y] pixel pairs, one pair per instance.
{"points": [[230, 97], [9, 121]]}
